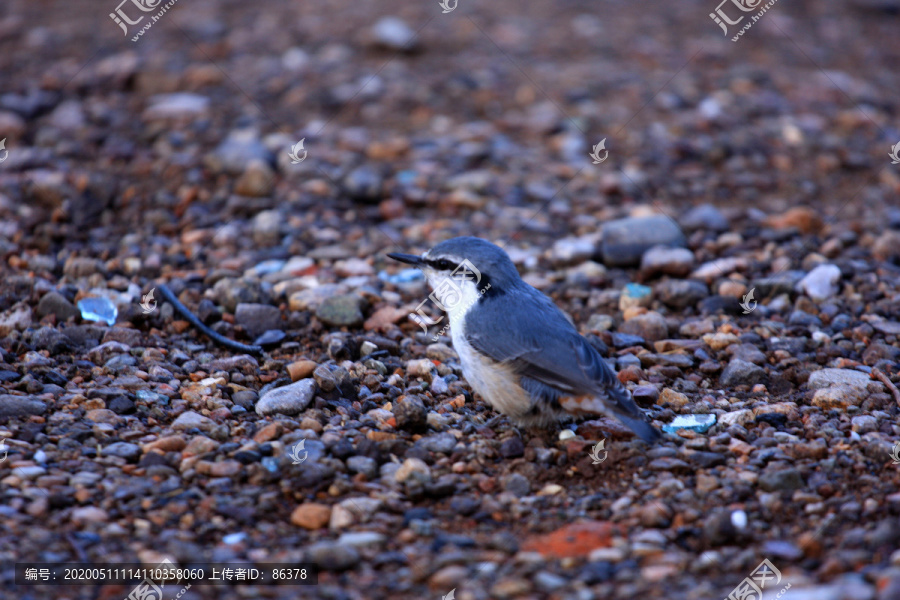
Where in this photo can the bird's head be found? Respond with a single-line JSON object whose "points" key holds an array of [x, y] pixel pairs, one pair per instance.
{"points": [[470, 263]]}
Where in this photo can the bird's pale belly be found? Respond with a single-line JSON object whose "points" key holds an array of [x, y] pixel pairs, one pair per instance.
{"points": [[494, 381]]}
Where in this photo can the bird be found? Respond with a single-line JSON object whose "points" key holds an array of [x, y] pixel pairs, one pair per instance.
{"points": [[517, 349]]}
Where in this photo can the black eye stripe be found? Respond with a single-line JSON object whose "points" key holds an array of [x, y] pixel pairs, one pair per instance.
{"points": [[441, 265]]}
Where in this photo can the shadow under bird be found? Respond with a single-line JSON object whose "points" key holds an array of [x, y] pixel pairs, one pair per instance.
{"points": [[518, 350]]}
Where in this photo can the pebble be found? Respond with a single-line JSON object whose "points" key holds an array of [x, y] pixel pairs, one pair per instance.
{"points": [[257, 180], [256, 319], [788, 479], [287, 400], [635, 295], [672, 398], [839, 396], [394, 34], [824, 378], [364, 184], [17, 318], [311, 515], [821, 283], [651, 326], [410, 413], [676, 262], [704, 216], [332, 556], [192, 420], [741, 372], [625, 241], [128, 451], [176, 105], [301, 369], [410, 467], [680, 293], [364, 465], [56, 304], [341, 311], [20, 406]]}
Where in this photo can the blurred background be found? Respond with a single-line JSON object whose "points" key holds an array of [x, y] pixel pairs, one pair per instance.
{"points": [[171, 152]]}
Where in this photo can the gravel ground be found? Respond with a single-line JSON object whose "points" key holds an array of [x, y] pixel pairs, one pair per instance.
{"points": [[758, 165]]}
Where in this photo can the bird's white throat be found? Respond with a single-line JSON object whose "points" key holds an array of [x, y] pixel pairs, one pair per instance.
{"points": [[455, 296]]}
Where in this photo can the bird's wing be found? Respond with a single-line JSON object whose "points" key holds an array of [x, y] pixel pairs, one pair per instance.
{"points": [[552, 359], [547, 349]]}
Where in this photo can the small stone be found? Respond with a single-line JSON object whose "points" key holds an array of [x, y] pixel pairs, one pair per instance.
{"points": [[839, 396], [864, 424], [821, 283], [311, 515], [737, 417], [191, 420], [441, 352], [237, 149], [512, 447], [824, 378], [672, 398], [130, 452], [301, 369], [176, 105], [17, 318], [570, 250], [887, 246], [420, 368], [361, 539], [634, 295], [410, 413], [341, 311], [781, 480], [651, 326], [98, 415], [741, 372], [720, 341], [803, 218], [332, 556], [704, 216], [676, 262], [626, 240], [287, 400], [364, 184], [393, 33], [257, 180], [681, 293], [89, 514], [55, 304], [517, 485], [364, 465], [410, 466], [256, 319], [20, 406], [572, 540]]}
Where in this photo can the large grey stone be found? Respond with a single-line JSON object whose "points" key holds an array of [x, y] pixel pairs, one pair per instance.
{"points": [[20, 406]]}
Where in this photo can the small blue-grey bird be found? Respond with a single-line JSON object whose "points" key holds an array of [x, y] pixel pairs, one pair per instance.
{"points": [[518, 350]]}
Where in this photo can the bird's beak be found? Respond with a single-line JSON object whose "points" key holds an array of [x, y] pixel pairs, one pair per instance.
{"points": [[410, 259]]}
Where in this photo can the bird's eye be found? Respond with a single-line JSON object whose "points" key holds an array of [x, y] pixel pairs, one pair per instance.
{"points": [[442, 264]]}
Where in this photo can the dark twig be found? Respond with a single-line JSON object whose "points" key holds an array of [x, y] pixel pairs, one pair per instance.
{"points": [[191, 318], [877, 374]]}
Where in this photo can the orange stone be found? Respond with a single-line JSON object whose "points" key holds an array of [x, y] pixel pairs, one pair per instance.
{"points": [[572, 540]]}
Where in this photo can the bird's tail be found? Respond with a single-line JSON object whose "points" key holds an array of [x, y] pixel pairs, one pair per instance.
{"points": [[643, 429], [614, 402]]}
